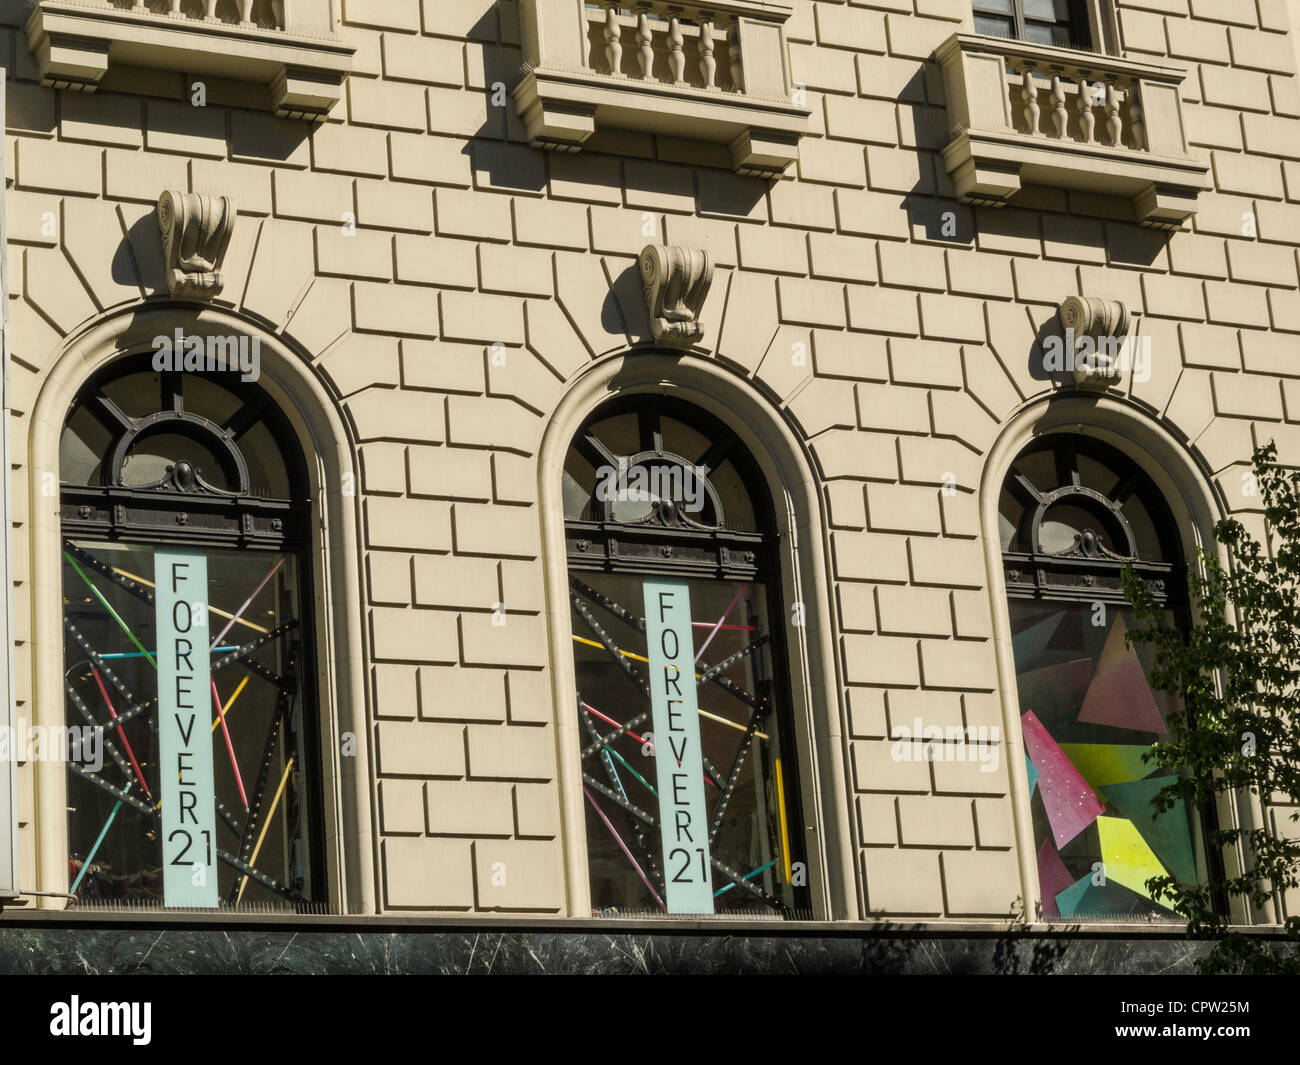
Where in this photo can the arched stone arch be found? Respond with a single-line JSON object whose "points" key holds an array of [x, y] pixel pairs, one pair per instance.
{"points": [[335, 549], [814, 671]]}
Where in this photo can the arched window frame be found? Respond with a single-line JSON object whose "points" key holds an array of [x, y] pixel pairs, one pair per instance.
{"points": [[341, 672], [815, 682], [667, 541], [219, 509], [1195, 506]]}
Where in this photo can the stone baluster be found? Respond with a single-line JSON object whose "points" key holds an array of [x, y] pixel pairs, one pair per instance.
{"points": [[175, 10], [209, 10], [1060, 116], [613, 40], [676, 49], [645, 53], [737, 63], [1137, 118], [708, 64], [1029, 94], [1087, 120], [1114, 124], [245, 12]]}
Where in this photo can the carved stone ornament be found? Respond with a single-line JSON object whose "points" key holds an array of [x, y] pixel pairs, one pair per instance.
{"points": [[676, 282], [1098, 329], [195, 231]]}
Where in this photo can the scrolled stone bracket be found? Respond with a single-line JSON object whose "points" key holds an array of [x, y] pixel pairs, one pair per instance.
{"points": [[196, 231], [1095, 332], [676, 281]]}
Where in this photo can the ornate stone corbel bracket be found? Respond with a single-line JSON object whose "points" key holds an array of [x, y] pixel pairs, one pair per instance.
{"points": [[196, 231], [676, 282], [1095, 332]]}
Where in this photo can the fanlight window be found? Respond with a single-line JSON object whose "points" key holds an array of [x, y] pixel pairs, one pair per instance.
{"points": [[1073, 514], [185, 511], [690, 783]]}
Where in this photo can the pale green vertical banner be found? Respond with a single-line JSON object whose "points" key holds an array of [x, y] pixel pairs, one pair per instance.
{"points": [[679, 760], [189, 835]]}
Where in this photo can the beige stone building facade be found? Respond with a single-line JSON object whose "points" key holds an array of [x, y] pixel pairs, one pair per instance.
{"points": [[480, 250]]}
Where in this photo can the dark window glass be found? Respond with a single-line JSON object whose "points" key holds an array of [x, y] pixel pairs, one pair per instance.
{"points": [[1073, 513], [208, 465], [692, 512], [1054, 22]]}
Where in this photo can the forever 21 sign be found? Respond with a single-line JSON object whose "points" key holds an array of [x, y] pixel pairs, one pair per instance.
{"points": [[185, 738], [679, 760]]}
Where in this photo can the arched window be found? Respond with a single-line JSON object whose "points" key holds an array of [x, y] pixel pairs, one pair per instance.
{"points": [[1073, 513], [185, 512], [690, 784]]}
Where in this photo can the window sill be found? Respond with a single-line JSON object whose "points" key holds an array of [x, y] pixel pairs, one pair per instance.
{"points": [[1023, 114], [73, 45], [397, 921]]}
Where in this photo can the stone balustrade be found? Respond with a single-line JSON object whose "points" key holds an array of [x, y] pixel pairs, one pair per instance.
{"points": [[1024, 113]]}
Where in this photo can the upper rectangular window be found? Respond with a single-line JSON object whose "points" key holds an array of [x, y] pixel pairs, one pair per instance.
{"points": [[1063, 23]]}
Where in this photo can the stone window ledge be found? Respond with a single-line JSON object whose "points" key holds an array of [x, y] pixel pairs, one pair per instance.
{"points": [[74, 43], [713, 72], [1025, 114]]}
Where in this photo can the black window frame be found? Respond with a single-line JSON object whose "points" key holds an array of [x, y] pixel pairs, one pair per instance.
{"points": [[668, 546], [1077, 23], [1089, 573], [184, 509]]}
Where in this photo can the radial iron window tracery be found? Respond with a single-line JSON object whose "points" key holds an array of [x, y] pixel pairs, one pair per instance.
{"points": [[213, 460], [1071, 518], [620, 508], [206, 463]]}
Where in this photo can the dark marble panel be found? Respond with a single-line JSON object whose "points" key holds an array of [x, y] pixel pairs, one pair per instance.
{"points": [[43, 947]]}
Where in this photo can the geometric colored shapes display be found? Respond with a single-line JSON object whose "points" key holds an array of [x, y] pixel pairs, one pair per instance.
{"points": [[1086, 899], [1126, 857], [1168, 835], [1070, 804], [1119, 695], [1067, 901], [1032, 774], [1029, 643], [1108, 763], [1061, 685], [1114, 652], [1053, 877]]}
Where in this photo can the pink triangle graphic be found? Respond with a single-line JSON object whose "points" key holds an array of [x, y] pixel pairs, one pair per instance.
{"points": [[1071, 806], [1053, 878], [1121, 698]]}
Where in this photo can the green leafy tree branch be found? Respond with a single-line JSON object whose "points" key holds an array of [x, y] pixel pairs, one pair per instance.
{"points": [[1237, 673]]}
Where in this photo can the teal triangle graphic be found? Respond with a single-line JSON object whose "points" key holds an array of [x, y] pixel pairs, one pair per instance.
{"points": [[1067, 901]]}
